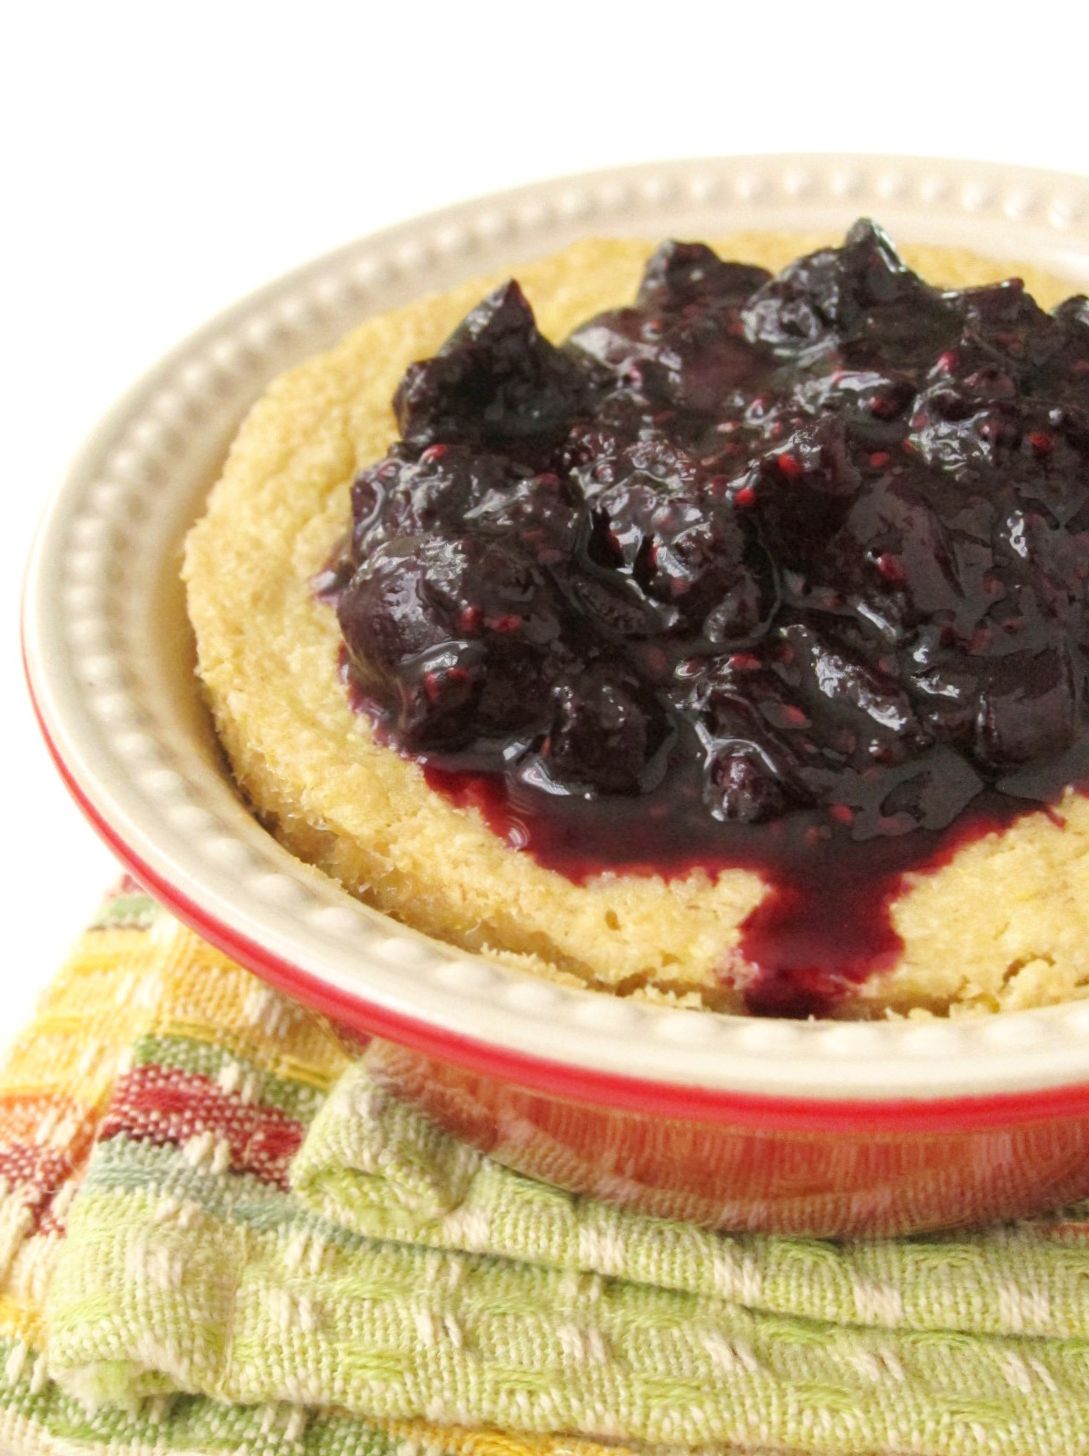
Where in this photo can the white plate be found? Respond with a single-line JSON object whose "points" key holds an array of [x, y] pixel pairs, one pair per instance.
{"points": [[110, 655]]}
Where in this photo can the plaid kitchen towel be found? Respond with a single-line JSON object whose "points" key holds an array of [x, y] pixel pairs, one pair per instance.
{"points": [[218, 1233]]}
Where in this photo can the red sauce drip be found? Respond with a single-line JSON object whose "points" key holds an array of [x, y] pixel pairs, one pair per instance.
{"points": [[823, 924]]}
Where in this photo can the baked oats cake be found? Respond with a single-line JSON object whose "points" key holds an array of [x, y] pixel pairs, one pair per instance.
{"points": [[708, 631]]}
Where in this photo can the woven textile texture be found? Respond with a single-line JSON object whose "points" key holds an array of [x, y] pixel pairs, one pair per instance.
{"points": [[219, 1234]]}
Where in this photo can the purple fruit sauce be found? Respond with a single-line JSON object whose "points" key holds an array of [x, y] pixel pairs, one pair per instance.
{"points": [[781, 573]]}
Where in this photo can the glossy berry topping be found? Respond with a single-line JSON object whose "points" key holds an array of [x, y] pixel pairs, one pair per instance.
{"points": [[786, 573]]}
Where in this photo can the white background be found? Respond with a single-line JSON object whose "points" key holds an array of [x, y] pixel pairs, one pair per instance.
{"points": [[161, 160]]}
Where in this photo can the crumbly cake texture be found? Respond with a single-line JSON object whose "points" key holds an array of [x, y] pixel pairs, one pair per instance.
{"points": [[1003, 925]]}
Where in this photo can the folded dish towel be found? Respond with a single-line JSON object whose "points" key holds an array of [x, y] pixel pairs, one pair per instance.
{"points": [[218, 1234]]}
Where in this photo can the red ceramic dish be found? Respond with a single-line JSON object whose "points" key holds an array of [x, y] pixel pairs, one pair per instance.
{"points": [[818, 1128]]}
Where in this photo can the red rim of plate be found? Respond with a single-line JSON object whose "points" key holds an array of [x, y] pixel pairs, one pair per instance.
{"points": [[597, 1089]]}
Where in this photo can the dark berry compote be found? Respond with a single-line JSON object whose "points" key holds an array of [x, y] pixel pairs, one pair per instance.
{"points": [[787, 573]]}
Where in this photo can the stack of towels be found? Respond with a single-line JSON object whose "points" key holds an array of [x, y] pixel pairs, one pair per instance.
{"points": [[219, 1234]]}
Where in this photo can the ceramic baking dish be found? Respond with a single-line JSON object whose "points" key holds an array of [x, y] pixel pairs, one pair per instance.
{"points": [[818, 1127]]}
